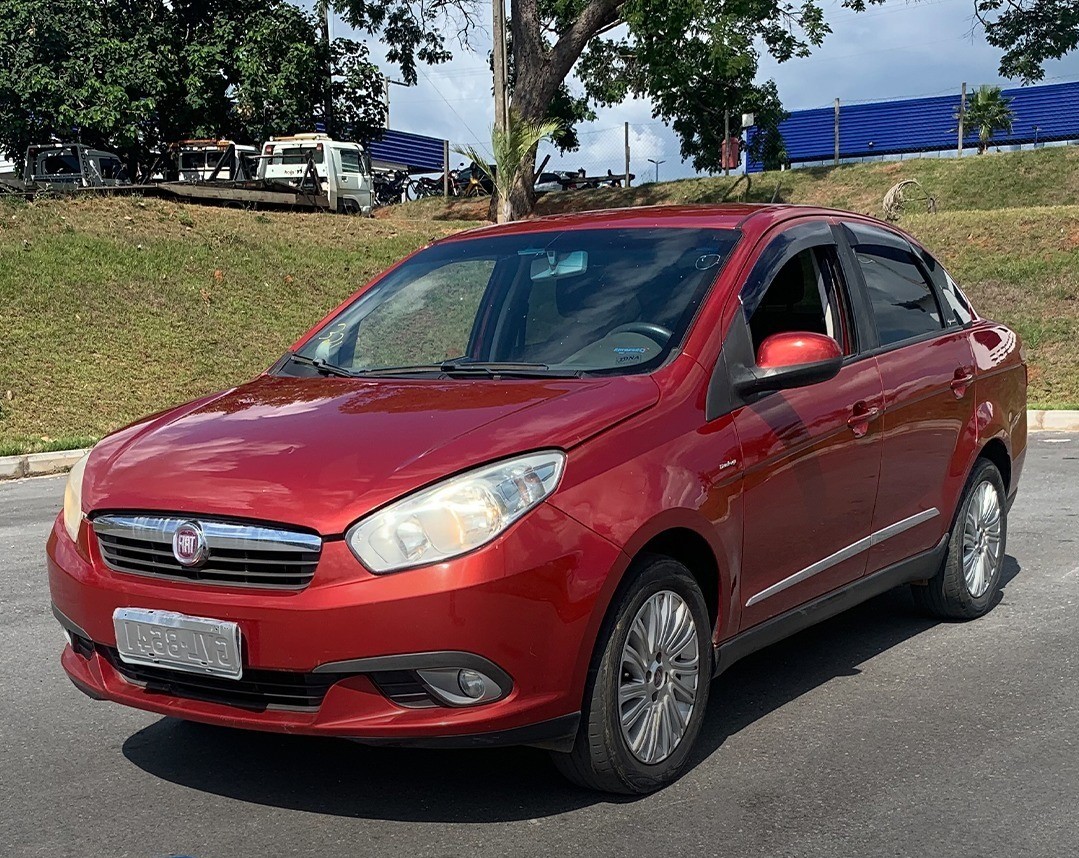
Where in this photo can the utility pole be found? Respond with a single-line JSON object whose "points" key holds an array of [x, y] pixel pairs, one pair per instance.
{"points": [[387, 80], [725, 150], [627, 154], [502, 118], [324, 12], [962, 117], [657, 163], [837, 132]]}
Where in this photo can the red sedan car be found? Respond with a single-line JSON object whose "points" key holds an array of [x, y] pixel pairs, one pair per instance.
{"points": [[539, 483]]}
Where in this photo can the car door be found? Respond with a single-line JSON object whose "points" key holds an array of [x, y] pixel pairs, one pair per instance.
{"points": [[927, 369], [811, 455], [350, 178]]}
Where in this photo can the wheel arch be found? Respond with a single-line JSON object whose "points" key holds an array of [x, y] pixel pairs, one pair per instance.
{"points": [[996, 451]]}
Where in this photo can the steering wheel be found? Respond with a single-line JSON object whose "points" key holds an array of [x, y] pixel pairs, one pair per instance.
{"points": [[647, 329]]}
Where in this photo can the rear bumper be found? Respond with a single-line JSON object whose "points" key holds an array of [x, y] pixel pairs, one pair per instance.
{"points": [[529, 604]]}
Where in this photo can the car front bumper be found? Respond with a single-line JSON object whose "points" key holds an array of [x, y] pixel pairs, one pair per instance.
{"points": [[529, 605]]}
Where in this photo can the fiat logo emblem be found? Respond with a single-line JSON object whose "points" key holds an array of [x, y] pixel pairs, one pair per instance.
{"points": [[189, 544]]}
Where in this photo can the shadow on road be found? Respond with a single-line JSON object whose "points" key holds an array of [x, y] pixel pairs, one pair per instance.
{"points": [[342, 778]]}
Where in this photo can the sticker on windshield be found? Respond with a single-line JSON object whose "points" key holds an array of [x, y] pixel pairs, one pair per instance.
{"points": [[629, 354]]}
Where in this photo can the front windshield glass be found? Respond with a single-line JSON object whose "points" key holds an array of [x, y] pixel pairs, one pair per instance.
{"points": [[599, 300]]}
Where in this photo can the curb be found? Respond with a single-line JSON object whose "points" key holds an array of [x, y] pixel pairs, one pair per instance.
{"points": [[1053, 421], [41, 464]]}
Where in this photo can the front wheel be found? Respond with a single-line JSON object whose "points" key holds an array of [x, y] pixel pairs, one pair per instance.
{"points": [[967, 583], [646, 702]]}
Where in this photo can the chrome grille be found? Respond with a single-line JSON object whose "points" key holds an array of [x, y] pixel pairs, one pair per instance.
{"points": [[237, 554]]}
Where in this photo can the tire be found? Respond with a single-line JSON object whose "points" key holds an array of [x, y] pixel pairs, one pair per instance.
{"points": [[602, 757], [965, 591]]}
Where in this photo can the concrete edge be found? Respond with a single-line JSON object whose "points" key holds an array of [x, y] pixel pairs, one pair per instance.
{"points": [[1053, 421], [41, 464]]}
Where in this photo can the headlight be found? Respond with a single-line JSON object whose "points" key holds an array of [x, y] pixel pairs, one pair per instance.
{"points": [[73, 499], [456, 515]]}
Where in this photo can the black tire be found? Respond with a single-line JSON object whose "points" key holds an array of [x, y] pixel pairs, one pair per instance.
{"points": [[601, 758], [947, 594]]}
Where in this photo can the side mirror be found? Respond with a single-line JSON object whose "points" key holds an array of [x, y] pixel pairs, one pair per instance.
{"points": [[792, 359]]}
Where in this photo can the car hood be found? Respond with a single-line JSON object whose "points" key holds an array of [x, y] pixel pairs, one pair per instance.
{"points": [[321, 452]]}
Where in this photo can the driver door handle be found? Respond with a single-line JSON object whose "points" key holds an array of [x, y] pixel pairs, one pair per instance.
{"points": [[862, 415]]}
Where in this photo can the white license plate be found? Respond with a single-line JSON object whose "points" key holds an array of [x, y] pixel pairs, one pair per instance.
{"points": [[178, 642]]}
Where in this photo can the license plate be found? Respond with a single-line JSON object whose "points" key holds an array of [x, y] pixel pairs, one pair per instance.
{"points": [[178, 642]]}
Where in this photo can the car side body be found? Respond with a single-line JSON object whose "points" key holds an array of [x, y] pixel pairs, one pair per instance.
{"points": [[786, 504]]}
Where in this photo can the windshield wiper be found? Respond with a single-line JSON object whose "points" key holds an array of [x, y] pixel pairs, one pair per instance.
{"points": [[464, 367], [322, 366]]}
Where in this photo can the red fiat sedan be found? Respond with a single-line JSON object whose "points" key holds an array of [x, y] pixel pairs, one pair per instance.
{"points": [[539, 483]]}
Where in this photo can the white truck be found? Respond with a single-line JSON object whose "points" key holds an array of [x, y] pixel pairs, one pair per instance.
{"points": [[315, 163], [213, 160]]}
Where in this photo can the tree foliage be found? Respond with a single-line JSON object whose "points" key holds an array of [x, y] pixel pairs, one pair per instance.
{"points": [[695, 59], [1030, 32], [132, 75]]}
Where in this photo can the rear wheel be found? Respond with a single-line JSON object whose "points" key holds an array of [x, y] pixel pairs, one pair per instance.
{"points": [[645, 705], [968, 581]]}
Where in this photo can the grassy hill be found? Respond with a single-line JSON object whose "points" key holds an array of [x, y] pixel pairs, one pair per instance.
{"points": [[114, 308], [1046, 177]]}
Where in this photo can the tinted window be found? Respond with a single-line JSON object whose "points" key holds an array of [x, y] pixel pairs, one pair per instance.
{"points": [[60, 165], [804, 295], [956, 307], [350, 161], [581, 300], [192, 160], [903, 303]]}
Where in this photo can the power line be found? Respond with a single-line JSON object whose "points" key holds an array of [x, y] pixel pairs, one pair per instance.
{"points": [[468, 127]]}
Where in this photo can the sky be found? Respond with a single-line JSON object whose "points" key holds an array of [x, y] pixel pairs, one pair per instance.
{"points": [[899, 50]]}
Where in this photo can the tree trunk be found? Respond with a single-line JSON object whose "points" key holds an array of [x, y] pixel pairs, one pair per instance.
{"points": [[522, 198]]}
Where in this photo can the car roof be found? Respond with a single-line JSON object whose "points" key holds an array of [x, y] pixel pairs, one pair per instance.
{"points": [[725, 216]]}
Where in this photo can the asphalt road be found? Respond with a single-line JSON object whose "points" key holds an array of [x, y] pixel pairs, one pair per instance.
{"points": [[879, 733]]}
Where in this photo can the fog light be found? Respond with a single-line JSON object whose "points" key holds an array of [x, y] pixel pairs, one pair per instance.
{"points": [[472, 683], [460, 686]]}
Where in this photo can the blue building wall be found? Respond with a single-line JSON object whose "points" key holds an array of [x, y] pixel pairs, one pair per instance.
{"points": [[420, 153], [924, 125]]}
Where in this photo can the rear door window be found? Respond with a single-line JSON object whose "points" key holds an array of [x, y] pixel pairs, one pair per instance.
{"points": [[903, 304]]}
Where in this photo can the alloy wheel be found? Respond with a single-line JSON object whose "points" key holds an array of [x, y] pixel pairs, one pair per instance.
{"points": [[981, 539], [660, 669]]}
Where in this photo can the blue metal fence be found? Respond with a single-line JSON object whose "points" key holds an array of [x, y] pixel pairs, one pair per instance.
{"points": [[1042, 114], [419, 153]]}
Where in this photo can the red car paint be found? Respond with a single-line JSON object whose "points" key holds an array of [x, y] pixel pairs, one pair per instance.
{"points": [[745, 497]]}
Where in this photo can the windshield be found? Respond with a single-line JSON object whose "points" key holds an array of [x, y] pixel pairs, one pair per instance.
{"points": [[601, 300]]}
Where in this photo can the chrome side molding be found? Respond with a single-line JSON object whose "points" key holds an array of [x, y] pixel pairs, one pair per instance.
{"points": [[850, 551]]}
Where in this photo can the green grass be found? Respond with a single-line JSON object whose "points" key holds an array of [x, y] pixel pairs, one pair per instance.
{"points": [[1020, 266], [112, 309], [1046, 177], [115, 308], [18, 446]]}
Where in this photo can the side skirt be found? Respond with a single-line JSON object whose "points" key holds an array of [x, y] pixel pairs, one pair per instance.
{"points": [[920, 567]]}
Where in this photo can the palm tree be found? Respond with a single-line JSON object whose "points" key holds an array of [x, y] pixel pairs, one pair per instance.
{"points": [[987, 111], [510, 149]]}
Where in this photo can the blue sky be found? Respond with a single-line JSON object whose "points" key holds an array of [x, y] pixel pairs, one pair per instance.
{"points": [[899, 50]]}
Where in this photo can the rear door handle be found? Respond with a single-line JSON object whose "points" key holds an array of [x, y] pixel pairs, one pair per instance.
{"points": [[964, 377]]}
